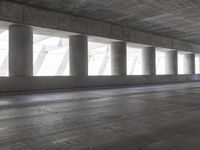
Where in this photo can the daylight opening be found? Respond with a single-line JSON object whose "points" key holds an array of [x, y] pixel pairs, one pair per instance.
{"points": [[99, 60], [50, 56], [134, 56], [4, 53]]}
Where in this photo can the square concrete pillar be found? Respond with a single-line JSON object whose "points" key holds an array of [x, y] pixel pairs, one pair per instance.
{"points": [[189, 63], [78, 55], [118, 58], [20, 50], [149, 61], [171, 67]]}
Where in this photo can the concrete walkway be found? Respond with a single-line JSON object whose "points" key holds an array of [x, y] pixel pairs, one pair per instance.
{"points": [[160, 117]]}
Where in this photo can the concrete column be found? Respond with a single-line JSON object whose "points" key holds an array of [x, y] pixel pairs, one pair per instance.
{"points": [[20, 50], [78, 55], [149, 61], [171, 63], [189, 64], [118, 58], [197, 63]]}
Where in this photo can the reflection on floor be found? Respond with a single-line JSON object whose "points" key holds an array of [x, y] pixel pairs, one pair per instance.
{"points": [[142, 118]]}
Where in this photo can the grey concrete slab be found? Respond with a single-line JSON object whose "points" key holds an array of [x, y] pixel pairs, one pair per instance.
{"points": [[147, 118], [177, 19], [46, 18]]}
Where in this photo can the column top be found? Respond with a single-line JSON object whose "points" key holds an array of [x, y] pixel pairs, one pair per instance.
{"points": [[20, 25]]}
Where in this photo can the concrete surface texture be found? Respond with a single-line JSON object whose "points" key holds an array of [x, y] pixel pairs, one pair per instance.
{"points": [[177, 19], [160, 117], [46, 18]]}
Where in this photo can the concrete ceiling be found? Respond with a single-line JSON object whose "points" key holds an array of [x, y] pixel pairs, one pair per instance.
{"points": [[179, 19]]}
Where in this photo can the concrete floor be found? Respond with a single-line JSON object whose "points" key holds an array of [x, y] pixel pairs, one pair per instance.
{"points": [[162, 117]]}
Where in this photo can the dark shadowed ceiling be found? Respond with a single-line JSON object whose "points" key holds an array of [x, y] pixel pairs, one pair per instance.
{"points": [[178, 19]]}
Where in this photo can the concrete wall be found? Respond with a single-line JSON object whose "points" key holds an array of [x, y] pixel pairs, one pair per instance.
{"points": [[59, 82]]}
